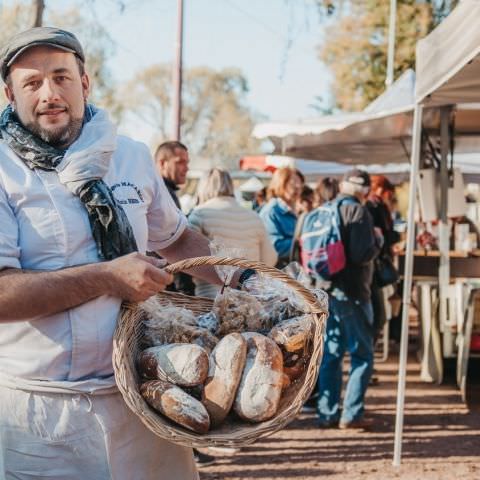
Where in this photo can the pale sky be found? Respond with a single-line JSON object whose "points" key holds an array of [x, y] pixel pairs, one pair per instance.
{"points": [[273, 42]]}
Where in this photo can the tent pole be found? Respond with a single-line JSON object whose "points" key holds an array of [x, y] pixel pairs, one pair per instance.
{"points": [[407, 282], [443, 230]]}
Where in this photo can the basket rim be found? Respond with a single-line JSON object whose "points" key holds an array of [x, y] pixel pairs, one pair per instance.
{"points": [[309, 298]]}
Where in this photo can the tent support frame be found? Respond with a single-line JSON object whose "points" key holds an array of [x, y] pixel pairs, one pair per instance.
{"points": [[407, 286]]}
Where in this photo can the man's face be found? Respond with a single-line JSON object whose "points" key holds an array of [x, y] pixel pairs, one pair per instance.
{"points": [[49, 94], [175, 168]]}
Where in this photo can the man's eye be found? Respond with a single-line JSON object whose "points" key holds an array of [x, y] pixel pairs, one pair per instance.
{"points": [[33, 84], [61, 78]]}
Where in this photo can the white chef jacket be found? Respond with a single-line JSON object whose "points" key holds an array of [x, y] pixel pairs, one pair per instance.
{"points": [[43, 226]]}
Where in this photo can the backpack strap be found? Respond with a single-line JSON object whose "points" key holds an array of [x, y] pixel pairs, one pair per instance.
{"points": [[341, 226], [295, 248]]}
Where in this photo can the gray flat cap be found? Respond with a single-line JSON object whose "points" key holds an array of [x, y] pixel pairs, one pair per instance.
{"points": [[50, 36]]}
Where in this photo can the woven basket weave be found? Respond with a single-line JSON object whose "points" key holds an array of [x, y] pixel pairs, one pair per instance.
{"points": [[233, 432]]}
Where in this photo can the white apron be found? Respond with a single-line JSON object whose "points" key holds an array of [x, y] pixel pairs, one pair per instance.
{"points": [[56, 430]]}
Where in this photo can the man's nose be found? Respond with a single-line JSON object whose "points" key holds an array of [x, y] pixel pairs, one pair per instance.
{"points": [[48, 91]]}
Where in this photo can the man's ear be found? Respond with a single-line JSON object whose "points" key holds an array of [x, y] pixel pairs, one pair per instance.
{"points": [[9, 94], [85, 86]]}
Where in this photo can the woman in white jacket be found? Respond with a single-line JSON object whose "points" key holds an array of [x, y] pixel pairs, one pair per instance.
{"points": [[219, 217]]}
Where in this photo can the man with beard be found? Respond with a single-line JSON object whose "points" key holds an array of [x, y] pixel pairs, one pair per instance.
{"points": [[79, 206]]}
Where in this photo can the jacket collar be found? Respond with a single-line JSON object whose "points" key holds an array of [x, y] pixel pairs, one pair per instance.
{"points": [[284, 207], [171, 185]]}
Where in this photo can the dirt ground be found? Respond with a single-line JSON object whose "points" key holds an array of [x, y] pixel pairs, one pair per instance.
{"points": [[441, 440]]}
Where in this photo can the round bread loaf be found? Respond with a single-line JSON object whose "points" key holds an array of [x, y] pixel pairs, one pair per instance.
{"points": [[183, 364], [176, 404], [292, 334], [295, 371], [226, 366], [260, 388], [286, 382]]}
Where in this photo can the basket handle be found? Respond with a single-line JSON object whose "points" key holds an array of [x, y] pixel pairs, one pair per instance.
{"points": [[305, 293]]}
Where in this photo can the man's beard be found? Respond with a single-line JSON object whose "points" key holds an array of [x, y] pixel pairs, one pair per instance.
{"points": [[61, 137]]}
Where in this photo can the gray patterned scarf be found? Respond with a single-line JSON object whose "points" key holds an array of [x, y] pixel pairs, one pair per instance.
{"points": [[81, 169]]}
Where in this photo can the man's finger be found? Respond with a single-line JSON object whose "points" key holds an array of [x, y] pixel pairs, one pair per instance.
{"points": [[160, 276], [156, 262]]}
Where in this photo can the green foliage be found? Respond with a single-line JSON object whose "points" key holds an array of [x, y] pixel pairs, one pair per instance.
{"points": [[356, 43], [216, 123]]}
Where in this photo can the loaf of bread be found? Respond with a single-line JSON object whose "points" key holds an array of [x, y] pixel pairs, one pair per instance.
{"points": [[226, 366], [295, 371], [183, 364], [176, 404], [292, 334], [286, 382], [260, 388]]}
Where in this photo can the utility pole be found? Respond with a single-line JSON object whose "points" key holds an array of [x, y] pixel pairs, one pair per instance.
{"points": [[39, 7], [391, 43], [177, 73]]}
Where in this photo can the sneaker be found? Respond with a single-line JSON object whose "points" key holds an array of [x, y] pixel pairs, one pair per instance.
{"points": [[310, 405], [327, 423], [360, 424], [202, 459], [223, 450]]}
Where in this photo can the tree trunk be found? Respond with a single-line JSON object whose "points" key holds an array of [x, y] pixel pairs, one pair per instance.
{"points": [[39, 7]]}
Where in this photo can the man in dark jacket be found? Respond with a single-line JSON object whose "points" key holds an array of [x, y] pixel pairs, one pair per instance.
{"points": [[382, 191], [171, 160], [349, 326]]}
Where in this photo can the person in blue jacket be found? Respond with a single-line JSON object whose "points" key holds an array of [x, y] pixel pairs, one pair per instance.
{"points": [[279, 213]]}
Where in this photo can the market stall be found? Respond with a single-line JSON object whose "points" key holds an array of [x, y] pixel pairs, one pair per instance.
{"points": [[448, 74], [400, 125]]}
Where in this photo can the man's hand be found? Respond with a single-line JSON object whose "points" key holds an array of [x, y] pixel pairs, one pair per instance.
{"points": [[136, 277]]}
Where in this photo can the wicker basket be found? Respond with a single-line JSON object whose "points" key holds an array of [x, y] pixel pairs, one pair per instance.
{"points": [[232, 432]]}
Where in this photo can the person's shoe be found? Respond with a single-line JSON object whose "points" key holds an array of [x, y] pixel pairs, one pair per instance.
{"points": [[374, 381], [223, 450], [327, 423], [310, 405], [360, 424], [202, 459]]}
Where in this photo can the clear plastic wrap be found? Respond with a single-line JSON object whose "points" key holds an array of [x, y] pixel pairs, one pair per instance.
{"points": [[171, 324], [280, 302], [239, 311], [218, 249]]}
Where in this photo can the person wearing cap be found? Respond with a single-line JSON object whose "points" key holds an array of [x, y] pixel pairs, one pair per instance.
{"points": [[79, 206], [349, 325]]}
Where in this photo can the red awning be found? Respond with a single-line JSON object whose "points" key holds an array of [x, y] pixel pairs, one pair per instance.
{"points": [[257, 163]]}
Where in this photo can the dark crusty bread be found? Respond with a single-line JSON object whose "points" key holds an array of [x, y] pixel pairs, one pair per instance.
{"points": [[292, 334], [183, 364], [176, 404]]}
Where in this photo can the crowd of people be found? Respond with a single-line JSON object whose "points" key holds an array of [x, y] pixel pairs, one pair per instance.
{"points": [[88, 222], [271, 232]]}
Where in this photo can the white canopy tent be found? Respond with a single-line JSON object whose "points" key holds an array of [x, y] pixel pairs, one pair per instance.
{"points": [[448, 74], [381, 134]]}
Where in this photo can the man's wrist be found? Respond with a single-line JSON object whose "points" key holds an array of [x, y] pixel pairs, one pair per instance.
{"points": [[244, 276]]}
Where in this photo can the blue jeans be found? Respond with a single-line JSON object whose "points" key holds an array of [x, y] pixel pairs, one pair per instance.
{"points": [[349, 328]]}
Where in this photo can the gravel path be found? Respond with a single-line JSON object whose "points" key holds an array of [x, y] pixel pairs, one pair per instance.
{"points": [[441, 440]]}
